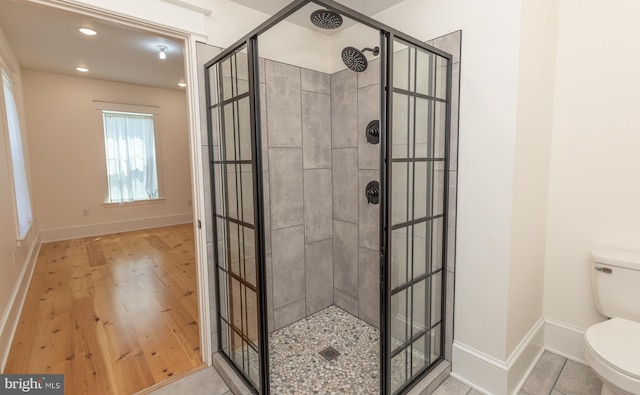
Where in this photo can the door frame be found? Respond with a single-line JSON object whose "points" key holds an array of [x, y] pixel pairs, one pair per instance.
{"points": [[188, 28]]}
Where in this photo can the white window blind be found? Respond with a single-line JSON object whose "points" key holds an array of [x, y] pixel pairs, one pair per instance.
{"points": [[24, 215], [132, 170]]}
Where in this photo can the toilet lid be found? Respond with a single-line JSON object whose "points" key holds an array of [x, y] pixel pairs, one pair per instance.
{"points": [[617, 343]]}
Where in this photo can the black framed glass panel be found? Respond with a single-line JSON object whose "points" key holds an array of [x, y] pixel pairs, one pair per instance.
{"points": [[237, 236], [417, 176]]}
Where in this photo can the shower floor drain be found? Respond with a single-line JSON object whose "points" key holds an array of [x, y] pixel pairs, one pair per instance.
{"points": [[329, 353]]}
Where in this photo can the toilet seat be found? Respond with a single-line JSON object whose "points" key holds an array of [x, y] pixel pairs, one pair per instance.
{"points": [[613, 349]]}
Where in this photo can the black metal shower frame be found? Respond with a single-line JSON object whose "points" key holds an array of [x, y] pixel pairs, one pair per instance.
{"points": [[387, 37]]}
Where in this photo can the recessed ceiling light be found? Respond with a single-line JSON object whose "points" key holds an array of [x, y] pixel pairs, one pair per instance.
{"points": [[162, 55], [181, 84], [82, 69], [87, 31]]}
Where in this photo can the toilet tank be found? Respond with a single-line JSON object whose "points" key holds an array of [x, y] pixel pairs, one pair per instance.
{"points": [[615, 281]]}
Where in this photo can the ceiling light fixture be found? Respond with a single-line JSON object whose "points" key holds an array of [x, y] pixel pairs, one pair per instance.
{"points": [[162, 54], [82, 69], [87, 31], [181, 84]]}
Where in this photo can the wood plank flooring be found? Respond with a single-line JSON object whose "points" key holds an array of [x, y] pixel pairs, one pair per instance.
{"points": [[115, 314]]}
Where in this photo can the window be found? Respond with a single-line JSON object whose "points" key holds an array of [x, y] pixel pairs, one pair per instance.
{"points": [[130, 147], [24, 217]]}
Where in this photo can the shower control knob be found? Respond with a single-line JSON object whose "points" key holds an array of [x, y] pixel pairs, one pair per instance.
{"points": [[373, 132], [372, 192]]}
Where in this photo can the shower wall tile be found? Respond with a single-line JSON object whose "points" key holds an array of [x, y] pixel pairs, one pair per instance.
{"points": [[264, 127], [242, 66], [344, 107], [288, 266], [204, 53], [316, 130], [269, 270], [369, 218], [261, 71], [212, 294], [240, 206], [368, 110], [345, 184], [371, 75], [450, 43], [267, 211], [369, 286], [286, 182], [284, 121], [401, 68], [206, 184], [315, 81], [289, 314], [451, 231], [319, 272], [455, 115], [345, 301], [448, 336], [317, 205], [345, 258]]}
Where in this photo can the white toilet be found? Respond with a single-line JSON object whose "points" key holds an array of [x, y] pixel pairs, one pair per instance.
{"points": [[612, 347]]}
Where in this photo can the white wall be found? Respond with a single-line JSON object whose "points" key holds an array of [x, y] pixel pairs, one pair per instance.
{"points": [[595, 183], [536, 79], [12, 274], [67, 156]]}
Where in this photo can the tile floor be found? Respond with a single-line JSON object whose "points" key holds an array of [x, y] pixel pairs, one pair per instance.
{"points": [[552, 375], [203, 382]]}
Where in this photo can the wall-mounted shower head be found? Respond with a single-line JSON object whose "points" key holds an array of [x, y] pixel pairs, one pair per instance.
{"points": [[326, 19], [355, 59]]}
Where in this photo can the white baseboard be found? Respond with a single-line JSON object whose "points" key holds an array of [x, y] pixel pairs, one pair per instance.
{"points": [[11, 315], [565, 340], [489, 375], [113, 227]]}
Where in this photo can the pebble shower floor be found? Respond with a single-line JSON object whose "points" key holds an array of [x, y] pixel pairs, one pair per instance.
{"points": [[298, 368]]}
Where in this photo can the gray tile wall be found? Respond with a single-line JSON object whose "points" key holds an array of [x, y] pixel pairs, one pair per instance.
{"points": [[451, 43], [322, 188], [204, 53], [296, 112], [355, 101]]}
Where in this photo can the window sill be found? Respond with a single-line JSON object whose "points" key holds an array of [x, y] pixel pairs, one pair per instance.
{"points": [[134, 203]]}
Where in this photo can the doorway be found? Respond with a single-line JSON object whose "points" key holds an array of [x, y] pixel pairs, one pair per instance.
{"points": [[115, 217]]}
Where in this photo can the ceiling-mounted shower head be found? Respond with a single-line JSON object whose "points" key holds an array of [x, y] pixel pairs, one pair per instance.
{"points": [[355, 59], [326, 19]]}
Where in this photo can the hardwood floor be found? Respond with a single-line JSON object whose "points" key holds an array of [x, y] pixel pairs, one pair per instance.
{"points": [[115, 314]]}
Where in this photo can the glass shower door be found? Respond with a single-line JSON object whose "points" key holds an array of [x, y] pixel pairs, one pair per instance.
{"points": [[237, 233], [415, 212]]}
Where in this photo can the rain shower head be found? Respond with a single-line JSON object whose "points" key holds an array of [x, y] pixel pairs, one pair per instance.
{"points": [[355, 59], [326, 19]]}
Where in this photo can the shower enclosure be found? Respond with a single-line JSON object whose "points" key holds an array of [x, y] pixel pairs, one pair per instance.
{"points": [[329, 195]]}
